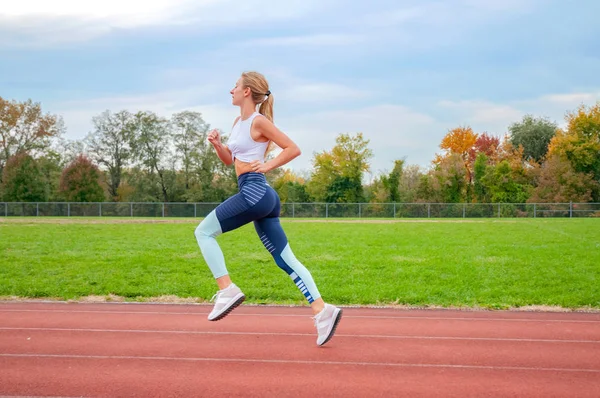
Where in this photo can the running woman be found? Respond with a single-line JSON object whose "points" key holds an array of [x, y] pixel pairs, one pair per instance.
{"points": [[251, 137]]}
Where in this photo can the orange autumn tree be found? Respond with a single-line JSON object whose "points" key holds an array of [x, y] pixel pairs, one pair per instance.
{"points": [[459, 143]]}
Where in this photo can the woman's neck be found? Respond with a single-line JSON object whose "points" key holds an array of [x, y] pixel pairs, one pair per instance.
{"points": [[246, 110]]}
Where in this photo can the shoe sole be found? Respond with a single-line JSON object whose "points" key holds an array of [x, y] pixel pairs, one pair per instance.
{"points": [[233, 306], [335, 324]]}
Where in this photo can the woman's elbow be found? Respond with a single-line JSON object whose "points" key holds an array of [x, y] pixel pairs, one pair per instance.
{"points": [[227, 161]]}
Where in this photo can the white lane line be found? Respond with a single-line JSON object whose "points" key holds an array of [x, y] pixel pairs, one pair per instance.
{"points": [[301, 362], [32, 396], [304, 316], [362, 336]]}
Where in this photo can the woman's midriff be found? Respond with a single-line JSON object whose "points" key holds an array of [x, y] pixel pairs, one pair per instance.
{"points": [[242, 167]]}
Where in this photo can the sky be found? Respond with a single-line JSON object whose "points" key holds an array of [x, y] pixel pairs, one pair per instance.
{"points": [[402, 72]]}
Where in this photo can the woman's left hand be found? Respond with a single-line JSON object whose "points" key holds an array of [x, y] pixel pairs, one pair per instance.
{"points": [[259, 167]]}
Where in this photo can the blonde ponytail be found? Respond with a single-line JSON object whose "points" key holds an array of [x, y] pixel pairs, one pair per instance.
{"points": [[266, 108]]}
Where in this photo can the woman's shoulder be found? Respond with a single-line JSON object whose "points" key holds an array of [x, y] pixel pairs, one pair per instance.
{"points": [[260, 120]]}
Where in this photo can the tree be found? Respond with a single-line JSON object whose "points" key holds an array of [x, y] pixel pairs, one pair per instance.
{"points": [[24, 128], [410, 181], [479, 171], [337, 174], [391, 182], [426, 192], [50, 165], [142, 185], [449, 184], [487, 145], [459, 143], [22, 179], [534, 134], [344, 189], [504, 184], [150, 145], [110, 145], [377, 192], [80, 181], [189, 135], [558, 182], [213, 181], [290, 187], [68, 150], [580, 143]]}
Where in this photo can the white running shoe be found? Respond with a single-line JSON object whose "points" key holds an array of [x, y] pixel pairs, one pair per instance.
{"points": [[326, 322], [226, 300]]}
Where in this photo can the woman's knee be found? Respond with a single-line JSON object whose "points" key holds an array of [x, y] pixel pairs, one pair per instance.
{"points": [[209, 227]]}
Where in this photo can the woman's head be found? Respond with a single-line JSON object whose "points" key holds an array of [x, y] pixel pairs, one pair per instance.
{"points": [[252, 86]]}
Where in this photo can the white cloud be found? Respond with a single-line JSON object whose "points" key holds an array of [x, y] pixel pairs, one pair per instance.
{"points": [[556, 106], [118, 10], [394, 132], [572, 99], [42, 22], [483, 115]]}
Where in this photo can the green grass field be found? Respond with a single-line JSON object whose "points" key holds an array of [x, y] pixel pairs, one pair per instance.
{"points": [[450, 263]]}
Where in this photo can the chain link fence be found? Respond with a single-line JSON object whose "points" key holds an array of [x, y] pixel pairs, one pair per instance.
{"points": [[307, 210]]}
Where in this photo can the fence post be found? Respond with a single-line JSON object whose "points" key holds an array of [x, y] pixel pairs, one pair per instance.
{"points": [[570, 209], [326, 210], [293, 210], [163, 210], [464, 209], [5, 209], [69, 209], [428, 210], [131, 209], [534, 210], [498, 210], [195, 210], [394, 209], [359, 211], [37, 209], [99, 209]]}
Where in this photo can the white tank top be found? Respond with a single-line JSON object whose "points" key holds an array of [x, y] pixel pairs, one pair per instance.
{"points": [[241, 144]]}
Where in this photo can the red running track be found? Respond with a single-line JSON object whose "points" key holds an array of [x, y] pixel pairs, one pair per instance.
{"points": [[159, 350]]}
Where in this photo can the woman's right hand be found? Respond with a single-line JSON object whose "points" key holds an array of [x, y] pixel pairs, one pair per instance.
{"points": [[214, 137]]}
